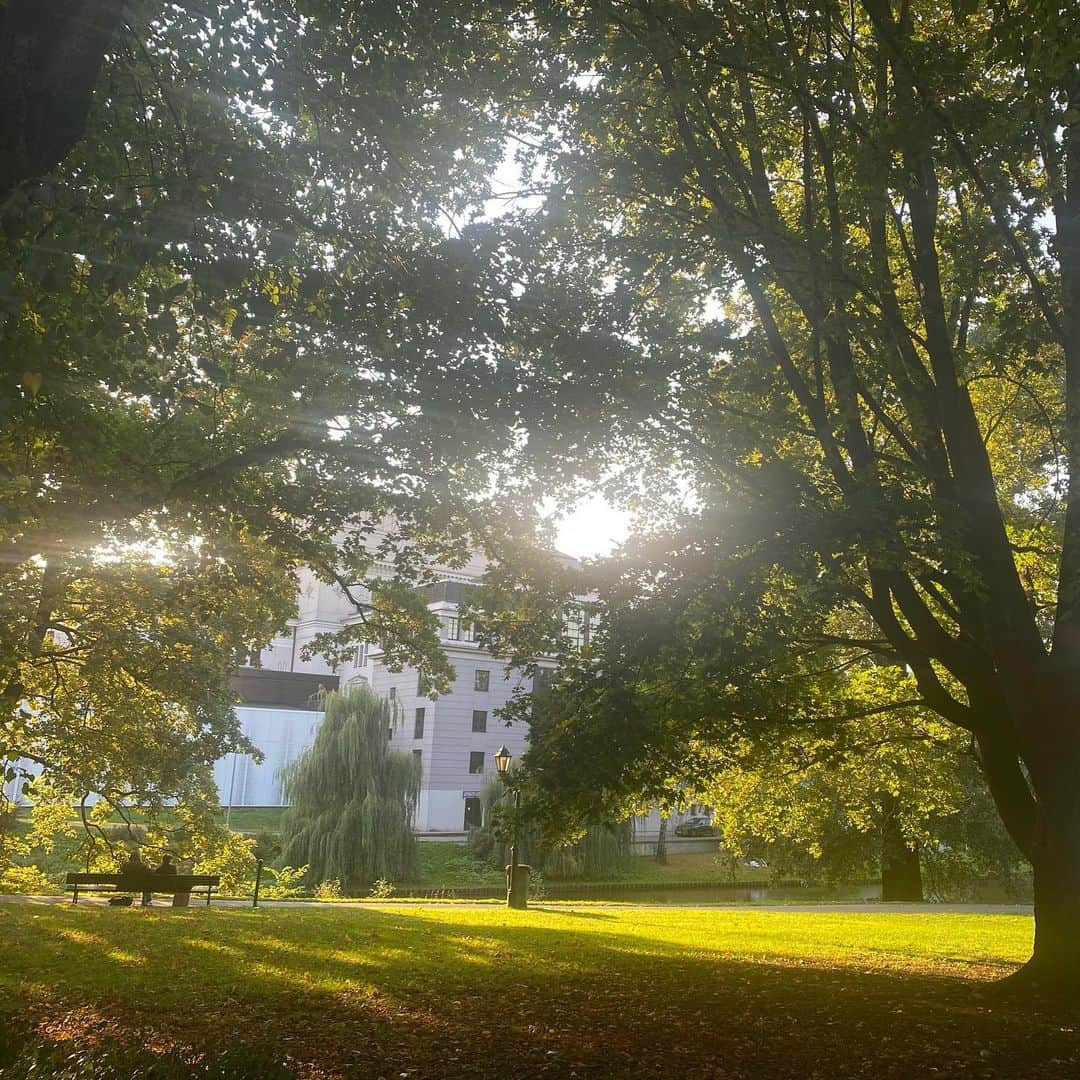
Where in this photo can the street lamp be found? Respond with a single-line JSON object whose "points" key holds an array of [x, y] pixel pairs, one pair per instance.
{"points": [[503, 757], [516, 891]]}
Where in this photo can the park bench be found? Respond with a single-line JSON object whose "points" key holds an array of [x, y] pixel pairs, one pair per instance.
{"points": [[143, 883]]}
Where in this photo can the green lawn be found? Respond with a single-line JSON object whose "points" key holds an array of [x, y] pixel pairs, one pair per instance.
{"points": [[445, 865], [254, 818], [441, 865], [454, 991]]}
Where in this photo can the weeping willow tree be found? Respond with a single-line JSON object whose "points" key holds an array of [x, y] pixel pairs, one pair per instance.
{"points": [[352, 799], [600, 852]]}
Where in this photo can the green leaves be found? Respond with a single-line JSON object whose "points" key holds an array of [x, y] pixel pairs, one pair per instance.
{"points": [[352, 799]]}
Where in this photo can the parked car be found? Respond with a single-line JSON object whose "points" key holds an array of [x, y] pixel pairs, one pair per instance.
{"points": [[696, 826]]}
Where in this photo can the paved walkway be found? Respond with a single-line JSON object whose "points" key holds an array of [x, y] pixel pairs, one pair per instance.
{"points": [[825, 907]]}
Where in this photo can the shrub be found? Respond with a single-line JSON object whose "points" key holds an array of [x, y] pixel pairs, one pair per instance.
{"points": [[287, 883], [561, 865], [25, 879], [233, 857], [267, 845], [536, 886], [382, 889], [328, 890]]}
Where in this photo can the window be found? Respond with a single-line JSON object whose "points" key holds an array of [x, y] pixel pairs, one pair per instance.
{"points": [[393, 693], [482, 680], [474, 813], [577, 627], [418, 755], [456, 629], [390, 732], [543, 679], [419, 683], [418, 725], [479, 720], [360, 656], [476, 761]]}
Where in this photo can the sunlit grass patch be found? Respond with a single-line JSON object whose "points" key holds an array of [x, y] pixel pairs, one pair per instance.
{"points": [[475, 991]]}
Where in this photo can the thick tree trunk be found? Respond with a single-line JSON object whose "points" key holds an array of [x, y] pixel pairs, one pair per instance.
{"points": [[901, 875], [1067, 248], [51, 53], [901, 872], [1008, 784], [1056, 954]]}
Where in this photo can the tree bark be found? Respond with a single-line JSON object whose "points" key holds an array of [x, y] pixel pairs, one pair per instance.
{"points": [[1067, 247], [51, 54], [901, 872], [661, 842], [1055, 956], [1056, 862], [1008, 786]]}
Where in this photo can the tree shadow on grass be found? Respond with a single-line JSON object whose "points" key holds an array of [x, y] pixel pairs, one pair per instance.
{"points": [[381, 993], [577, 913]]}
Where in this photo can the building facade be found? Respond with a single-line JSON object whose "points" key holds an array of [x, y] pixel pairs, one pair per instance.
{"points": [[455, 736]]}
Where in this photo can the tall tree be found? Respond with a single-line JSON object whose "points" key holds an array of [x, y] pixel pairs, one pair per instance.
{"points": [[351, 798], [869, 216], [233, 330], [249, 311]]}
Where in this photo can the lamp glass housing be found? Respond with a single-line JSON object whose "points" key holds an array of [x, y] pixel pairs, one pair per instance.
{"points": [[503, 758]]}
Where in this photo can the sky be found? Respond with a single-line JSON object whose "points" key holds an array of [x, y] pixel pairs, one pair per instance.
{"points": [[593, 529]]}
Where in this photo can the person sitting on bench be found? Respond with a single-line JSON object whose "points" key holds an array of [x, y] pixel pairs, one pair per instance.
{"points": [[137, 870], [166, 866]]}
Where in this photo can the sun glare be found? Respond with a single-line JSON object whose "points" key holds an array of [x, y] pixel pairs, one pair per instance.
{"points": [[592, 529]]}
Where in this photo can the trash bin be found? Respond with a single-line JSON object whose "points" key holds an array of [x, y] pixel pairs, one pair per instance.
{"points": [[517, 891]]}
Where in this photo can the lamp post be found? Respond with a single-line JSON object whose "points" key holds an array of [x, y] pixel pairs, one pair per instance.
{"points": [[516, 897]]}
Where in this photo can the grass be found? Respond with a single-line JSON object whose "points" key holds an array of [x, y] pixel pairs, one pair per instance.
{"points": [[459, 991], [253, 819], [441, 865], [448, 865], [444, 865]]}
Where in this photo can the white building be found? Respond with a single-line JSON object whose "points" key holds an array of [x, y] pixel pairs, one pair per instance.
{"points": [[455, 736]]}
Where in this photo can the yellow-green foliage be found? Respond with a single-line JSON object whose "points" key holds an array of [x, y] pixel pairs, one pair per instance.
{"points": [[233, 857], [285, 883], [25, 879]]}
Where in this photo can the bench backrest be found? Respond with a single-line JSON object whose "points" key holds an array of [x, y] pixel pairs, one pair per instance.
{"points": [[175, 882]]}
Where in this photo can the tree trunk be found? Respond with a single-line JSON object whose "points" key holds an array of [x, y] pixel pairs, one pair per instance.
{"points": [[1039, 802], [901, 873], [661, 843], [51, 53], [1056, 953]]}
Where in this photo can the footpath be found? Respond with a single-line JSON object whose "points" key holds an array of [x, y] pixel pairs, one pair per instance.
{"points": [[823, 907]]}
